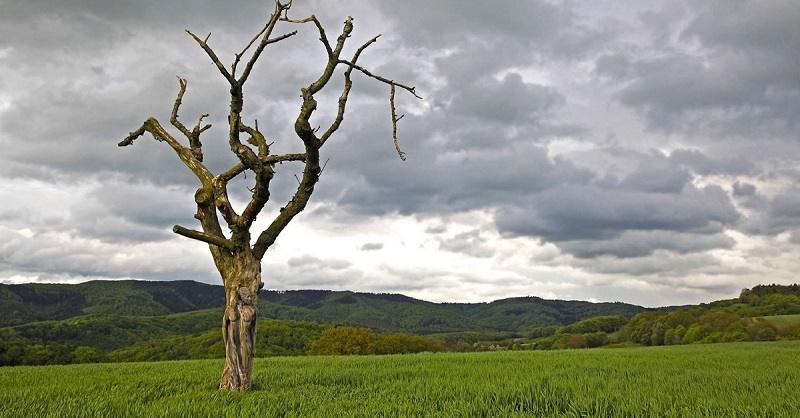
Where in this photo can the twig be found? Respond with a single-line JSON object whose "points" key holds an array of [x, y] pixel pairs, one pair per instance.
{"points": [[394, 125]]}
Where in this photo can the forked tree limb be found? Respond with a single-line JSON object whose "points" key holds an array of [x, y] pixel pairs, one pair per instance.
{"points": [[322, 37], [348, 84], [193, 135], [257, 139], [271, 160], [204, 44], [174, 116], [152, 126], [265, 40]]}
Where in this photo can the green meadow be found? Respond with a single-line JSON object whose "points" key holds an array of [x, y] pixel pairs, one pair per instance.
{"points": [[783, 321], [714, 380]]}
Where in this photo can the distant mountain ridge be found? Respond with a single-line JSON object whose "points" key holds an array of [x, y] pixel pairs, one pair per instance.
{"points": [[27, 303], [33, 302]]}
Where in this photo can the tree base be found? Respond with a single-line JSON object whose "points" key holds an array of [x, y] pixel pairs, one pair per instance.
{"points": [[239, 333]]}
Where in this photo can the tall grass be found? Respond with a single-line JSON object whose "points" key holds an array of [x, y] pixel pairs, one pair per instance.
{"points": [[731, 380]]}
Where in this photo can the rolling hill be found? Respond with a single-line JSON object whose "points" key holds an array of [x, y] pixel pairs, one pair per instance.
{"points": [[144, 321], [28, 303], [139, 320]]}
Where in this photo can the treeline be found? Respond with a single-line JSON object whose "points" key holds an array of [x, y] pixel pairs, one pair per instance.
{"points": [[763, 313], [696, 326], [589, 333], [364, 341], [275, 338], [758, 314]]}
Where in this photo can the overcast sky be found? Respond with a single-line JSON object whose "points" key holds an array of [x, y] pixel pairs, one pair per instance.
{"points": [[636, 151]]}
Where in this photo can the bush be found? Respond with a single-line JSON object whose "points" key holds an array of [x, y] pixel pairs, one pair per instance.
{"points": [[362, 341], [343, 341]]}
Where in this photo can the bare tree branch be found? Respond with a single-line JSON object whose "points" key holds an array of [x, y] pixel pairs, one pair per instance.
{"points": [[394, 125], [152, 126], [352, 65], [333, 55], [194, 138], [174, 117], [203, 44], [256, 139], [348, 84], [322, 37], [270, 159], [219, 241], [132, 137], [207, 215], [295, 205], [367, 73], [265, 40]]}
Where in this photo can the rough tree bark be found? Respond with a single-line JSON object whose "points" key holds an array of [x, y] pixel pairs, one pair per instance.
{"points": [[237, 258]]}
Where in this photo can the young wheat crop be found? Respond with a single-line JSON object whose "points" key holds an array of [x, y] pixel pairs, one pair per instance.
{"points": [[725, 380]]}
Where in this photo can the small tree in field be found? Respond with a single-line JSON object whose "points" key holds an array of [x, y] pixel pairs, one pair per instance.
{"points": [[237, 258]]}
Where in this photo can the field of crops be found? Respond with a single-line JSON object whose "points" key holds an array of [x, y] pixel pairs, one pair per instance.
{"points": [[731, 380], [783, 321]]}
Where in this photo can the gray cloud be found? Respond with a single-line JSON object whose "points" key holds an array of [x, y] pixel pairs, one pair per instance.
{"points": [[447, 21], [372, 246], [778, 214], [470, 243], [631, 144], [644, 243], [718, 89], [589, 212], [744, 189], [509, 100]]}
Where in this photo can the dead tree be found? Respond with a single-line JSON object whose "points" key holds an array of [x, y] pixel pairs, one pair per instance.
{"points": [[237, 258]]}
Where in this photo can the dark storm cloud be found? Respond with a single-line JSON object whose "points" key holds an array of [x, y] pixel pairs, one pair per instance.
{"points": [[444, 180], [589, 212], [509, 100], [744, 189], [775, 215], [448, 21], [742, 80], [764, 25], [160, 207], [703, 164], [663, 269], [644, 243], [656, 176]]}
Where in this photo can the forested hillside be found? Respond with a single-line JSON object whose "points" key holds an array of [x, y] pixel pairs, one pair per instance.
{"points": [[763, 313], [137, 320], [26, 303], [144, 321]]}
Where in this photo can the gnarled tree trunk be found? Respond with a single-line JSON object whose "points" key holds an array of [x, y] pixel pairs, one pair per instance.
{"points": [[239, 322]]}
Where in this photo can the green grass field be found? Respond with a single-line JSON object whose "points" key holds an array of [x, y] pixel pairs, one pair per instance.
{"points": [[730, 380], [783, 321]]}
